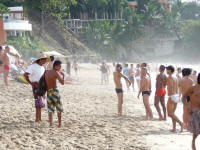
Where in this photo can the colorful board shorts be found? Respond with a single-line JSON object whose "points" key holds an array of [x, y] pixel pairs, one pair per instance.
{"points": [[195, 122], [39, 100], [54, 100]]}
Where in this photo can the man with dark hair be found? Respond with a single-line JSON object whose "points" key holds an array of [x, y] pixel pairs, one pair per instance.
{"points": [[172, 88], [185, 83], [193, 109], [117, 79], [33, 75], [160, 93], [53, 96]]}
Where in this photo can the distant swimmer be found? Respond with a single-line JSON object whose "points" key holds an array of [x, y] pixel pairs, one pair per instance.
{"points": [[193, 109], [172, 88], [53, 96], [161, 80], [185, 83], [117, 80], [145, 89], [138, 75], [131, 74]]}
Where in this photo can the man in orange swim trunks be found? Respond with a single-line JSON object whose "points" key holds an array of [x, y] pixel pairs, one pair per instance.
{"points": [[160, 92]]}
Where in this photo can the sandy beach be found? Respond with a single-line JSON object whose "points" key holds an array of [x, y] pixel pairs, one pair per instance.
{"points": [[89, 120]]}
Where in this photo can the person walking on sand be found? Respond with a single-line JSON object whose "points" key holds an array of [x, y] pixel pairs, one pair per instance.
{"points": [[160, 93], [32, 75], [53, 96], [117, 80], [145, 89], [172, 88], [131, 74], [68, 69], [125, 72], [193, 109], [75, 66], [138, 76], [185, 83]]}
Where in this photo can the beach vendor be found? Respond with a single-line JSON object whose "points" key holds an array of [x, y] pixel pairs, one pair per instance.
{"points": [[32, 75]]}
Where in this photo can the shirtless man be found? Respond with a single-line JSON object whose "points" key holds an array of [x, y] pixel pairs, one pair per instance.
{"points": [[6, 63], [137, 75], [53, 96], [131, 75], [185, 83], [145, 89], [172, 88], [179, 71], [75, 66], [194, 76], [193, 109], [160, 92], [117, 79]]}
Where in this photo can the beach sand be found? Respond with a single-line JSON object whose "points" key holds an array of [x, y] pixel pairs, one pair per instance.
{"points": [[89, 120]]}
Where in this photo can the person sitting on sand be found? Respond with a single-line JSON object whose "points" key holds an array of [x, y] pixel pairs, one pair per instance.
{"points": [[53, 96], [172, 88], [117, 80], [145, 89], [32, 75], [185, 83], [131, 75], [160, 93], [193, 109]]}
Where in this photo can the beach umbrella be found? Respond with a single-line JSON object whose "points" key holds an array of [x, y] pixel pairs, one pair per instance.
{"points": [[52, 53], [14, 51]]}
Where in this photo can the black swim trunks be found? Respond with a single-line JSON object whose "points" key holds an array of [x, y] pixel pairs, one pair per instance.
{"points": [[119, 90], [146, 92], [188, 99]]}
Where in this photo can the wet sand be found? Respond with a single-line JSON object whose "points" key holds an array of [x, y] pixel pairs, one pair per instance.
{"points": [[89, 120]]}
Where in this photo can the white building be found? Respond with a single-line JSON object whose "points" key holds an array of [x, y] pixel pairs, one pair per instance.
{"points": [[15, 22]]}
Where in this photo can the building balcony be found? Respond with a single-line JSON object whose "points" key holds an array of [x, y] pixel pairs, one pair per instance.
{"points": [[17, 25]]}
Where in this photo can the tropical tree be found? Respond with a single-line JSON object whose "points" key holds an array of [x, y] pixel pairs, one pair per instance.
{"points": [[3, 10]]}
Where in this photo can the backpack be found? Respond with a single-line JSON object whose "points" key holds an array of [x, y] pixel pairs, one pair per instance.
{"points": [[42, 87]]}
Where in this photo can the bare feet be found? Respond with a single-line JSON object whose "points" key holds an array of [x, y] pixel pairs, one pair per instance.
{"points": [[165, 119], [193, 145], [182, 127], [160, 119], [173, 130]]}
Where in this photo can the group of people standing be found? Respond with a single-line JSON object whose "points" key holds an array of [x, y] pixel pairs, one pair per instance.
{"points": [[184, 86]]}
